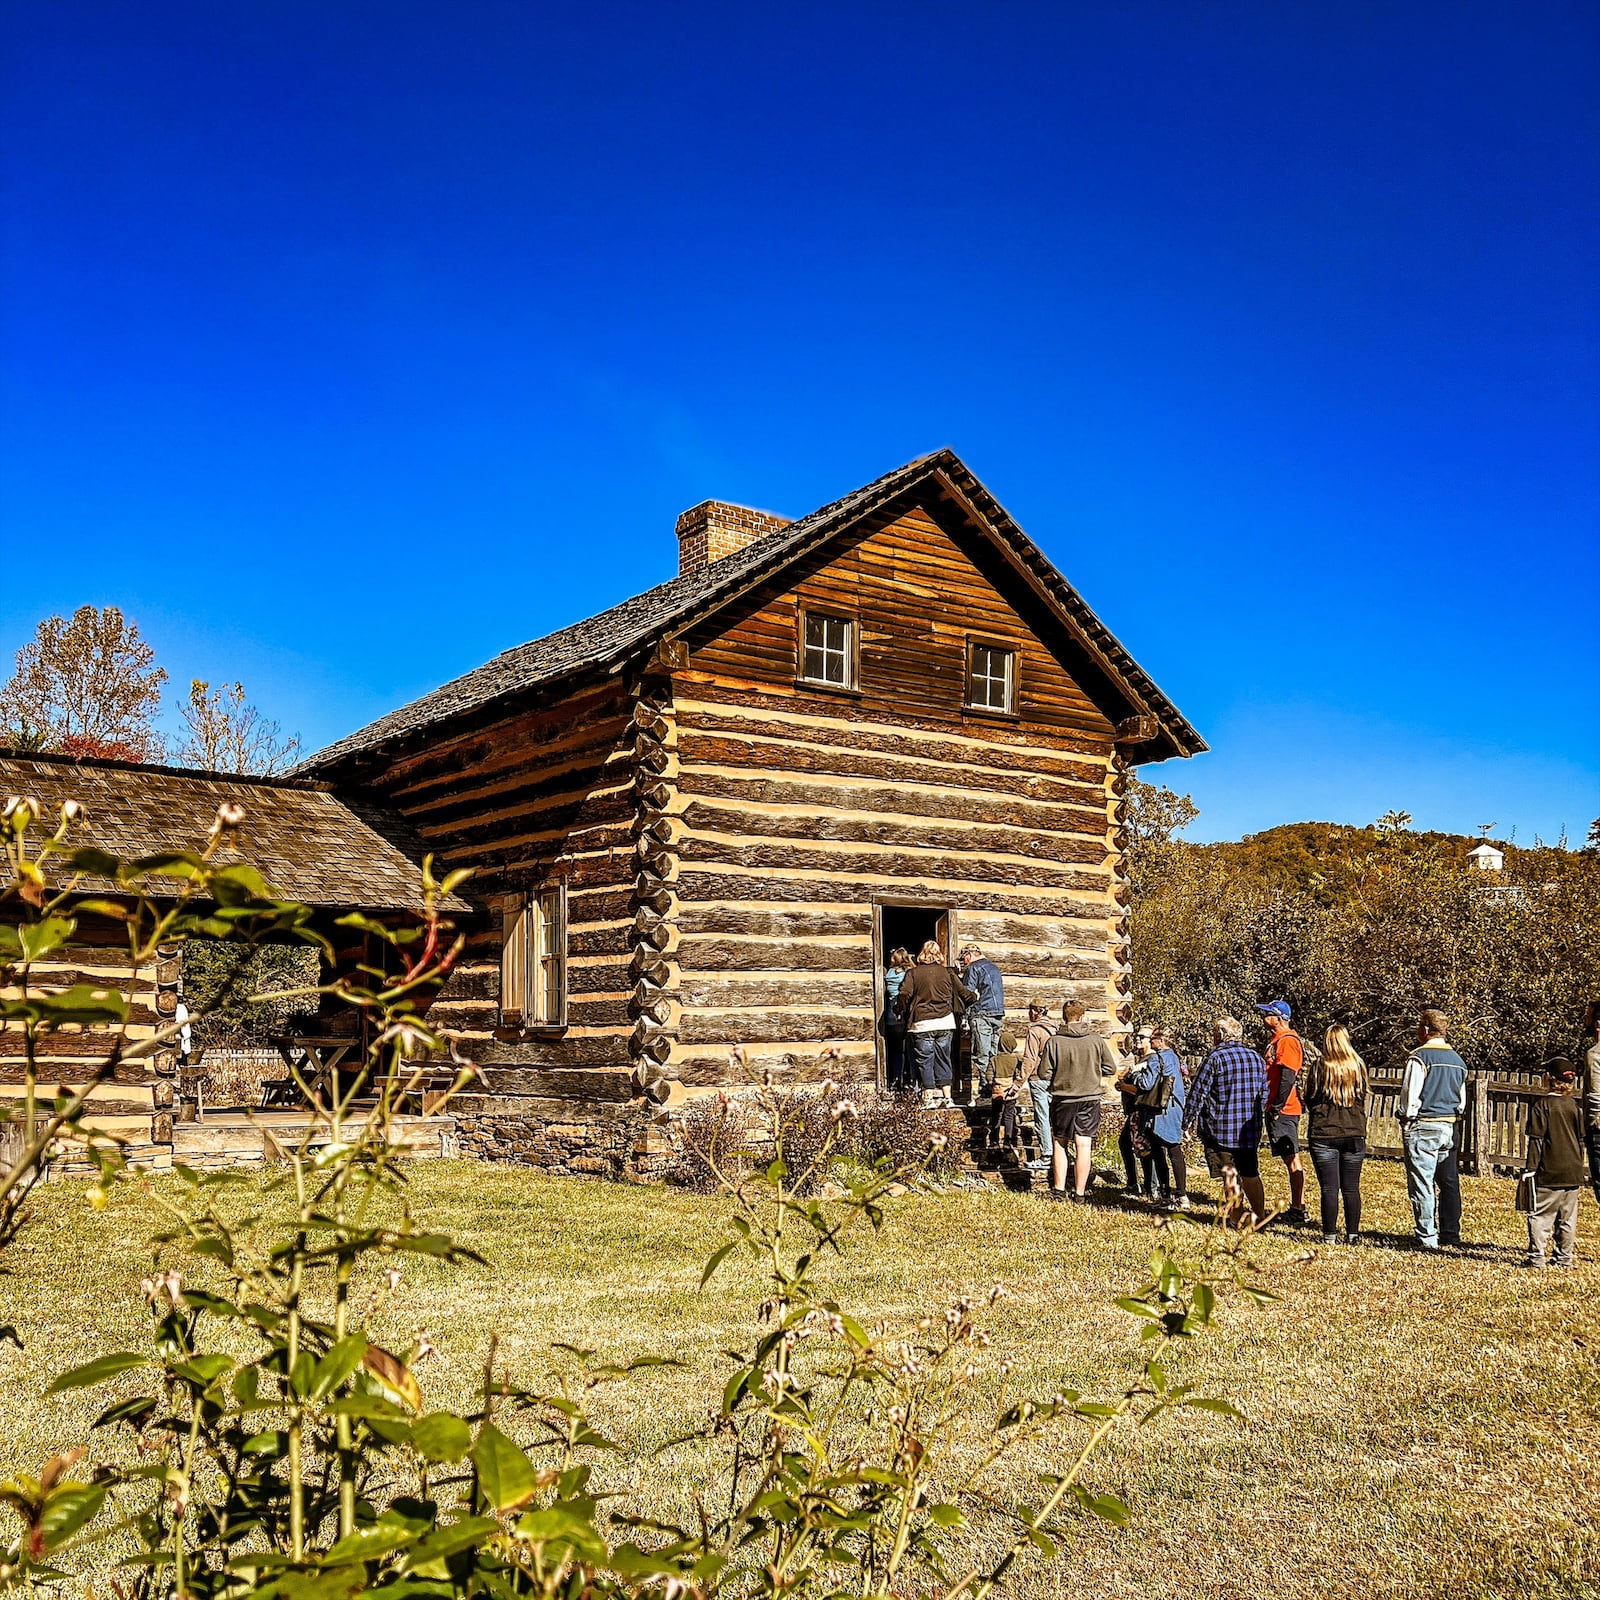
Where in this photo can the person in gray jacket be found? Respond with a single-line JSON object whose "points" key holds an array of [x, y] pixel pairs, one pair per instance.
{"points": [[1076, 1061], [1591, 1091]]}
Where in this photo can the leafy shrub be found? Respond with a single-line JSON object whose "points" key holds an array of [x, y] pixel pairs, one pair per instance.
{"points": [[280, 1451]]}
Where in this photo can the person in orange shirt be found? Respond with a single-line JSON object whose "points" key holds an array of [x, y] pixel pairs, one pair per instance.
{"points": [[1285, 1059]]}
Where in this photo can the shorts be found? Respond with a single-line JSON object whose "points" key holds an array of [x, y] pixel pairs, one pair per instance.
{"points": [[1074, 1119], [1286, 1137], [1245, 1162]]}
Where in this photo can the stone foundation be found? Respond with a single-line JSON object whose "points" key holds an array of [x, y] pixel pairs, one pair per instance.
{"points": [[592, 1139]]}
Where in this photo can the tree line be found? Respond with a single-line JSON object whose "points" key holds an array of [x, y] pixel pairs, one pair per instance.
{"points": [[90, 686], [1365, 927]]}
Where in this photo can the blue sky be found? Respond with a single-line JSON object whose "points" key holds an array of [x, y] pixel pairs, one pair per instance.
{"points": [[345, 345]]}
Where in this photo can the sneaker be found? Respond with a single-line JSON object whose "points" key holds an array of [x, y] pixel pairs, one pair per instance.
{"points": [[1352, 1238], [1296, 1217], [1534, 1262], [1079, 1199], [1183, 1203], [1056, 1194], [1330, 1238], [1041, 1164]]}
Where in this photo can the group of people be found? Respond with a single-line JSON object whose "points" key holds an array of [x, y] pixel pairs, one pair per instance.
{"points": [[1240, 1099]]}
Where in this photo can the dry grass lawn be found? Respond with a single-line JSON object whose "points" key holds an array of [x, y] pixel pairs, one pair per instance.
{"points": [[1414, 1427]]}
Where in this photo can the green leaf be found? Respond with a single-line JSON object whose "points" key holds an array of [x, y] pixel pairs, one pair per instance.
{"points": [[272, 1444], [442, 1437], [448, 1541], [335, 1367], [367, 1544], [38, 939], [1210, 1403], [506, 1474], [947, 1516], [203, 1370], [82, 1003], [562, 1525], [718, 1256], [1205, 1301], [67, 1510], [98, 1371], [94, 862]]}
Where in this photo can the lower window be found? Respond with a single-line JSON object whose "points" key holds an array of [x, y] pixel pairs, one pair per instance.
{"points": [[533, 962]]}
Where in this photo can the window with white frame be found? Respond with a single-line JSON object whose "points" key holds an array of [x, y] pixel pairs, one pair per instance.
{"points": [[533, 962], [829, 650], [991, 677]]}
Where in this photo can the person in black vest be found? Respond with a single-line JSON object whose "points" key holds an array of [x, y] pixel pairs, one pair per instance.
{"points": [[1433, 1099], [1555, 1163]]}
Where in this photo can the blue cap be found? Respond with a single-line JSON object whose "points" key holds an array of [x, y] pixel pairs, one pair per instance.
{"points": [[1275, 1008]]}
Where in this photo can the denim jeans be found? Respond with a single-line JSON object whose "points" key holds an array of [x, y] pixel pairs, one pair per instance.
{"points": [[1594, 1161], [930, 1055], [1427, 1145], [1039, 1093], [985, 1033], [897, 1069], [1338, 1167]]}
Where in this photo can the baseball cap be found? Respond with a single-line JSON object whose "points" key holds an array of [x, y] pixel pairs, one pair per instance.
{"points": [[1275, 1008]]}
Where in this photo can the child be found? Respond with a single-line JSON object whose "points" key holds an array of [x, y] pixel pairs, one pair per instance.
{"points": [[1004, 1095], [1555, 1162]]}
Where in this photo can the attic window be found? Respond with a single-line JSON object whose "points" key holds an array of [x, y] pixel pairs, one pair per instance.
{"points": [[533, 961], [829, 652], [991, 677]]}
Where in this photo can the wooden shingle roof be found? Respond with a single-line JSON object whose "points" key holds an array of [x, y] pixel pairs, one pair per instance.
{"points": [[309, 843], [608, 640]]}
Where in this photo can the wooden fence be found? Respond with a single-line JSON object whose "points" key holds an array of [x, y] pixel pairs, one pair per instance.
{"points": [[1494, 1132]]}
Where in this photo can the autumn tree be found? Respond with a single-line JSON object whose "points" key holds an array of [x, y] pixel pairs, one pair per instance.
{"points": [[87, 687], [223, 732]]}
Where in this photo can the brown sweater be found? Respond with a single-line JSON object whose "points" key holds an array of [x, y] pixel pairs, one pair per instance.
{"points": [[929, 992]]}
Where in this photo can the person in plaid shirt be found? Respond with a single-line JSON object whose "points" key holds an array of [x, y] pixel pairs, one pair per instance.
{"points": [[1226, 1104]]}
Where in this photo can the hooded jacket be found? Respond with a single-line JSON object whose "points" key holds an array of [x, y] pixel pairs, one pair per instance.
{"points": [[1075, 1060]]}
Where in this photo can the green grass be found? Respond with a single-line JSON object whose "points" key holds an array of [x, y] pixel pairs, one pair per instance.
{"points": [[1415, 1426]]}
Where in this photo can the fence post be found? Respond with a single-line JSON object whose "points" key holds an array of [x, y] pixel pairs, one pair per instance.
{"points": [[1479, 1128]]}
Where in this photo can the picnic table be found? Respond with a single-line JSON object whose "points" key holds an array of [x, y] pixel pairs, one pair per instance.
{"points": [[317, 1058]]}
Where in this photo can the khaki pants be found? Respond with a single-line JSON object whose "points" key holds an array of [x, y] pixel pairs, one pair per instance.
{"points": [[1557, 1214]]}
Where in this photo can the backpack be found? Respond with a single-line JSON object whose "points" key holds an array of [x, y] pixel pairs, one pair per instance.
{"points": [[1159, 1095]]}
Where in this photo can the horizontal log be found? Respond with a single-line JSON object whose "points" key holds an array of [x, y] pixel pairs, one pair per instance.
{"points": [[473, 983], [711, 916], [608, 1084], [890, 740], [616, 940], [14, 1070], [714, 992], [701, 1070], [982, 806], [774, 1027], [700, 692], [604, 1011], [776, 760], [972, 869], [597, 977], [724, 888], [772, 955], [509, 740], [1045, 932], [585, 1050], [551, 802], [814, 825]]}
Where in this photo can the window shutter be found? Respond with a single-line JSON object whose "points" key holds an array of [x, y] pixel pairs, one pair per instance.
{"points": [[514, 964]]}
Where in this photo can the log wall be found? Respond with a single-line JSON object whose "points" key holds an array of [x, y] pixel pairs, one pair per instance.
{"points": [[795, 811], [547, 794]]}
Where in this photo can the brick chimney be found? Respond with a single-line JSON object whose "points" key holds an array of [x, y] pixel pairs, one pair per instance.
{"points": [[714, 529]]}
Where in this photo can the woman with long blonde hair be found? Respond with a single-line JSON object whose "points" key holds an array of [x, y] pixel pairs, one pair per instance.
{"points": [[1335, 1096]]}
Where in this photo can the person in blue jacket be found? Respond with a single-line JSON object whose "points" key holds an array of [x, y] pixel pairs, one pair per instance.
{"points": [[1165, 1125]]}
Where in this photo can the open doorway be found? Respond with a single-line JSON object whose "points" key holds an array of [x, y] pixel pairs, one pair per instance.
{"points": [[908, 928]]}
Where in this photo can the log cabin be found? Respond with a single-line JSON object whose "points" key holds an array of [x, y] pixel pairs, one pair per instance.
{"points": [[332, 854], [700, 820]]}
